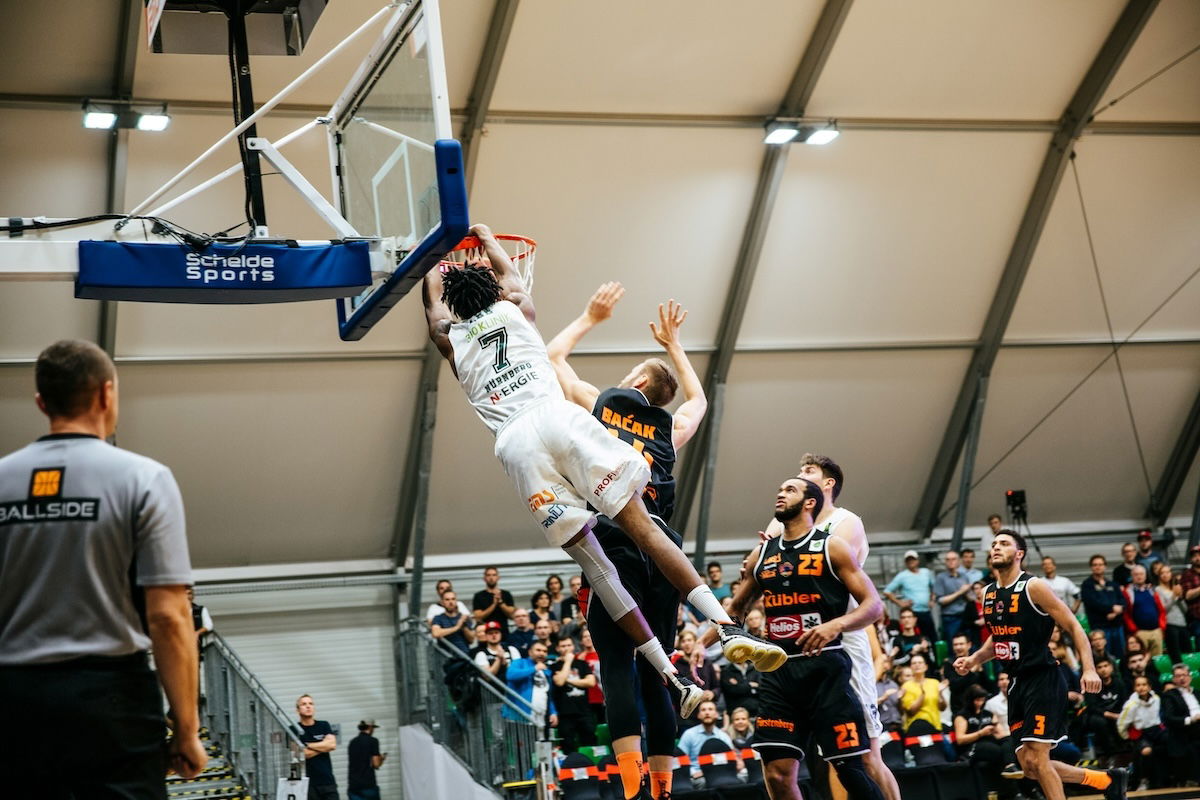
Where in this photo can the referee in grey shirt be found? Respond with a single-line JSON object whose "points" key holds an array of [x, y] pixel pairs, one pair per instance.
{"points": [[94, 572]]}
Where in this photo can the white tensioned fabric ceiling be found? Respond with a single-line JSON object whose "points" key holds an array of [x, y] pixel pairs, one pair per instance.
{"points": [[627, 138]]}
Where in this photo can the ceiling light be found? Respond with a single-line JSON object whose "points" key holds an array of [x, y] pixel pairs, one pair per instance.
{"points": [[160, 121], [101, 120], [109, 114], [781, 131], [822, 135]]}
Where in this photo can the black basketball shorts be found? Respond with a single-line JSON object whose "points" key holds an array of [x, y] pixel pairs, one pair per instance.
{"points": [[810, 696], [1037, 706]]}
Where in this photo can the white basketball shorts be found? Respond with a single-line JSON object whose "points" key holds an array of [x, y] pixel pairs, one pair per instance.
{"points": [[862, 677], [562, 459]]}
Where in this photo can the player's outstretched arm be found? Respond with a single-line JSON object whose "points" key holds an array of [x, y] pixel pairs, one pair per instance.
{"points": [[511, 288], [599, 308], [1045, 598], [870, 607], [437, 314], [689, 415]]}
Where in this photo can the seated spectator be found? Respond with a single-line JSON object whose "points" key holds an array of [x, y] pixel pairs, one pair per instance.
{"points": [[978, 737], [530, 679], [491, 654], [756, 624], [539, 609], [740, 729], [1170, 593], [572, 677], [452, 624], [596, 693], [1099, 643], [521, 635], [921, 697], [543, 634], [1061, 647], [441, 587], [953, 592], [887, 697], [1180, 713], [998, 703], [961, 646], [1104, 603], [1144, 612], [690, 660], [1135, 645], [1137, 665], [706, 728], [1123, 574], [1140, 722], [1102, 710], [739, 686], [975, 623], [912, 589], [909, 641], [1063, 587]]}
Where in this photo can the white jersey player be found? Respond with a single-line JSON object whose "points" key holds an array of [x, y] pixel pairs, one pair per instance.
{"points": [[848, 526], [562, 460]]}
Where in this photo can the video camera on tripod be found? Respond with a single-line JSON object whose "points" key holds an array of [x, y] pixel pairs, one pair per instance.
{"points": [[1017, 509]]}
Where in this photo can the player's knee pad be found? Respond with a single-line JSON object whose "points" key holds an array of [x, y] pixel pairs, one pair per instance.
{"points": [[602, 575], [852, 772]]}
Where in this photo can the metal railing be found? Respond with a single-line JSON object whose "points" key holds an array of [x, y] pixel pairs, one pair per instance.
{"points": [[254, 731], [490, 731]]}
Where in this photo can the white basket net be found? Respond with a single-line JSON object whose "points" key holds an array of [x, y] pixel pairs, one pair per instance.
{"points": [[521, 250]]}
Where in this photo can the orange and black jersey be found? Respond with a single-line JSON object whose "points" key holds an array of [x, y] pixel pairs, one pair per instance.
{"points": [[1020, 630], [801, 588], [630, 417]]}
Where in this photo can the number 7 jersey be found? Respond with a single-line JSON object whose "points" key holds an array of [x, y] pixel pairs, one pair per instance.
{"points": [[1020, 630], [501, 363]]}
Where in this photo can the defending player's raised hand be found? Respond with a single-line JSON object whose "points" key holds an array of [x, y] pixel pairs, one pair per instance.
{"points": [[670, 318], [962, 665], [1090, 682], [600, 306]]}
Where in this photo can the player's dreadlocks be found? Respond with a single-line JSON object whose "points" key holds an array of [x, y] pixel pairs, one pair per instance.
{"points": [[469, 290]]}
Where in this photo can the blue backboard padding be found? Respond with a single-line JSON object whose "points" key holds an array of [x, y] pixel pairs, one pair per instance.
{"points": [[452, 192], [220, 273]]}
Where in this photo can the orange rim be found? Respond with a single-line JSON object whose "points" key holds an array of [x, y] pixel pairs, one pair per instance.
{"points": [[472, 242]]}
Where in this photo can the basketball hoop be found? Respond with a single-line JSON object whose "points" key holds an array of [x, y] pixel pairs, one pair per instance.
{"points": [[521, 249]]}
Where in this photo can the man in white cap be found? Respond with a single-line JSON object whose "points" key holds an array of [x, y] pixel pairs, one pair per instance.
{"points": [[913, 588]]}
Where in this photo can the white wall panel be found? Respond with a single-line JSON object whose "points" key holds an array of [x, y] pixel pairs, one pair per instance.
{"points": [[1142, 196], [335, 644], [277, 462], [945, 59], [22, 422], [880, 237], [675, 57], [1173, 30], [661, 210], [33, 315]]}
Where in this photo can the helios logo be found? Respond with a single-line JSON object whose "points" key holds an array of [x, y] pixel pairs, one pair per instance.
{"points": [[210, 268]]}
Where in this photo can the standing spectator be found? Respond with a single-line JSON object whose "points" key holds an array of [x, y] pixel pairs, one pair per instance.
{"points": [[1144, 612], [740, 729], [493, 604], [1102, 710], [492, 654], [554, 585], [973, 574], [1170, 594], [909, 642], [959, 684], [975, 623], [453, 625], [571, 604], [995, 525], [921, 698], [521, 635], [319, 741], [1123, 574], [1146, 554], [739, 686], [1181, 716], [1140, 722], [1137, 665], [1062, 586], [1190, 582], [719, 590], [364, 759], [78, 694], [888, 694], [441, 587], [202, 621], [572, 677], [953, 591], [915, 587], [539, 609], [596, 693], [543, 634], [529, 678], [694, 737], [1104, 604]]}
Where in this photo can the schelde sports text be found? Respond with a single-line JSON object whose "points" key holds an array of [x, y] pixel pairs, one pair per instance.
{"points": [[209, 268]]}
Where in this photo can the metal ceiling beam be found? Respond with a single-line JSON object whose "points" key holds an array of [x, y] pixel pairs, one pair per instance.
{"points": [[414, 485], [770, 175], [1162, 501], [1070, 127]]}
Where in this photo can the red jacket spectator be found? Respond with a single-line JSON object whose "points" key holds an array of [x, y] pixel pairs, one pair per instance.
{"points": [[1137, 617]]}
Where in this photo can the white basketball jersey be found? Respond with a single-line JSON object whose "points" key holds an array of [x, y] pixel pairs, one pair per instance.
{"points": [[835, 518], [502, 363]]}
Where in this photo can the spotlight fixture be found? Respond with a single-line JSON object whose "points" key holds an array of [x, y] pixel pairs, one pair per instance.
{"points": [[781, 130], [109, 114]]}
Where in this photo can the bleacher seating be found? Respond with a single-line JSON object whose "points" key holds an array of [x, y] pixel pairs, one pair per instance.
{"points": [[579, 778]]}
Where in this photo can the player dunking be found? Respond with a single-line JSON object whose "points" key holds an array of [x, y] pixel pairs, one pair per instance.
{"points": [[807, 578], [634, 412], [859, 645], [1021, 610], [558, 456]]}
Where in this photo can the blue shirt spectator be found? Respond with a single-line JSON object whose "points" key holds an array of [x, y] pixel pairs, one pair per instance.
{"points": [[915, 585], [969, 571], [1103, 602], [952, 589], [691, 740], [453, 625], [530, 678], [1147, 555]]}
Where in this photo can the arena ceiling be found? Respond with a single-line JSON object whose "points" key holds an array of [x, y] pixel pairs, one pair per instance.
{"points": [[844, 298]]}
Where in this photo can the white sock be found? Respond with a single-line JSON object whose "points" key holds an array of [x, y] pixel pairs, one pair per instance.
{"points": [[703, 600], [653, 652]]}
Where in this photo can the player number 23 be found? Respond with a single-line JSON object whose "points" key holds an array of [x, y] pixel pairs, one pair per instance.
{"points": [[847, 735]]}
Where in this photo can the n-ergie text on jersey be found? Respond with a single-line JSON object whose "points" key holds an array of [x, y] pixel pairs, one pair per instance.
{"points": [[510, 388]]}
